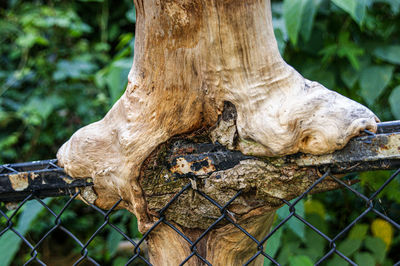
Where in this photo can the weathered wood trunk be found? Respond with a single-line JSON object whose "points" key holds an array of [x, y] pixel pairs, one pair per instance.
{"points": [[192, 58], [253, 187], [226, 245]]}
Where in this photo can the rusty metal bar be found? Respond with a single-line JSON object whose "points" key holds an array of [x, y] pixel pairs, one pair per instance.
{"points": [[42, 178], [389, 127], [379, 151], [368, 152]]}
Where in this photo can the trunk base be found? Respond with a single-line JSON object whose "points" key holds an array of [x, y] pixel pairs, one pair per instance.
{"points": [[226, 245]]}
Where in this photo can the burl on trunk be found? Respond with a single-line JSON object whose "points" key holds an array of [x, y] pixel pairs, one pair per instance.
{"points": [[192, 58]]}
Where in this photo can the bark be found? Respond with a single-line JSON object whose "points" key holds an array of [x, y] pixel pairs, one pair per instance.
{"points": [[211, 169], [224, 246], [190, 58]]}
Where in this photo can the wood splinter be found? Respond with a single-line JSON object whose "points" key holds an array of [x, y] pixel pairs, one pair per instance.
{"points": [[191, 58]]}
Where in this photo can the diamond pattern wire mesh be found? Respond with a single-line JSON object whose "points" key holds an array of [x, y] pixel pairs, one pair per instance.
{"points": [[7, 224]]}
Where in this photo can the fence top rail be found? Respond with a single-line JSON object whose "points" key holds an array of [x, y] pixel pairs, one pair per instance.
{"points": [[43, 178]]}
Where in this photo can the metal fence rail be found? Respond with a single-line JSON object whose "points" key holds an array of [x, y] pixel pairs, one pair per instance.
{"points": [[36, 180]]}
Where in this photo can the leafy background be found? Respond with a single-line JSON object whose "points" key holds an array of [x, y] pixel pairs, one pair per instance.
{"points": [[64, 63]]}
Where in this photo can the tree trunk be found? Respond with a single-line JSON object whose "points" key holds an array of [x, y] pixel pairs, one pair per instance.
{"points": [[223, 246], [192, 58], [253, 187]]}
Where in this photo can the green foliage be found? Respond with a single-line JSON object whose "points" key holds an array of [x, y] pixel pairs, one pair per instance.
{"points": [[307, 21], [10, 242], [349, 46], [364, 258], [373, 81], [289, 248], [274, 243], [394, 101], [377, 247], [359, 231], [299, 17], [293, 13], [389, 53], [117, 71], [300, 260], [60, 69], [373, 180], [62, 66], [294, 225], [355, 8]]}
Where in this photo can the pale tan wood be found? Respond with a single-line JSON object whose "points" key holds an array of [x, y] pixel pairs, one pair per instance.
{"points": [[229, 246], [191, 57], [226, 245]]}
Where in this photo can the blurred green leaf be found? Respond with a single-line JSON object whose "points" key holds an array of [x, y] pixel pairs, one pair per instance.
{"points": [[273, 244], [349, 76], [119, 261], [318, 221], [323, 76], [10, 242], [355, 8], [358, 231], [131, 14], [308, 16], [293, 223], [377, 248], [344, 48], [8, 141], [390, 53], [73, 69], [288, 250], [373, 81], [29, 39], [278, 23], [376, 179], [347, 48], [314, 206], [394, 100], [113, 240], [292, 14], [133, 227], [300, 261], [394, 4], [364, 259], [280, 40], [314, 242], [337, 261], [38, 109], [349, 246], [117, 78]]}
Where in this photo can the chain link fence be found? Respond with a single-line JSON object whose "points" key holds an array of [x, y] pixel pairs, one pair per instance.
{"points": [[42, 187]]}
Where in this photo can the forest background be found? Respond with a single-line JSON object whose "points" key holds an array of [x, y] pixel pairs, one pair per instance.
{"points": [[64, 63]]}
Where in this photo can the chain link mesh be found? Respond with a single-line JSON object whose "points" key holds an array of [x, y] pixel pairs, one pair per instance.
{"points": [[8, 220]]}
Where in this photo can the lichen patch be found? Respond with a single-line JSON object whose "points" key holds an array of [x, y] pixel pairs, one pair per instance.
{"points": [[33, 176], [68, 180], [19, 181], [201, 167], [89, 195]]}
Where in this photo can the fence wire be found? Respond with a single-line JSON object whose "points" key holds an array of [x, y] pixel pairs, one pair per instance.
{"points": [[138, 257]]}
